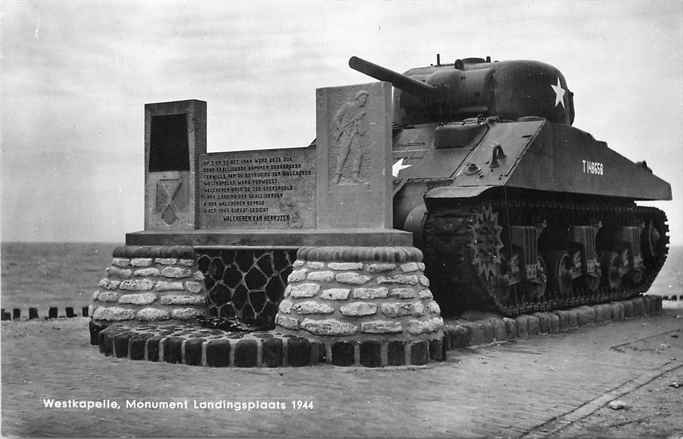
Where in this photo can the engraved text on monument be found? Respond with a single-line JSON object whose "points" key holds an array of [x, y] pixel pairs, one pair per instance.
{"points": [[272, 188]]}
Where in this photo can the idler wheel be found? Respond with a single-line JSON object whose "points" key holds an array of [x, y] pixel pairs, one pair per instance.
{"points": [[611, 264], [561, 265], [652, 242], [636, 277]]}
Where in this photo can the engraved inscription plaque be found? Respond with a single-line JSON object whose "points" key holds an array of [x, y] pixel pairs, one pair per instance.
{"points": [[263, 189]]}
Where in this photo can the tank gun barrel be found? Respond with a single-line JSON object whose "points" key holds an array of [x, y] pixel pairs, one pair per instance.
{"points": [[398, 80]]}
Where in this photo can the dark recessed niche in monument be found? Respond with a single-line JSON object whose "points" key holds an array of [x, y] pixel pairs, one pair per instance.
{"points": [[168, 147]]}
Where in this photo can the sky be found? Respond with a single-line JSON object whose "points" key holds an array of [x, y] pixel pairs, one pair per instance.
{"points": [[76, 75]]}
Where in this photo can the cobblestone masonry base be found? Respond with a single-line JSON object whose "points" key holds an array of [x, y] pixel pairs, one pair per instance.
{"points": [[185, 342]]}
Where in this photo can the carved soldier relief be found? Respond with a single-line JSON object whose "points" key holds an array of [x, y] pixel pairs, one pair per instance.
{"points": [[350, 139], [353, 149]]}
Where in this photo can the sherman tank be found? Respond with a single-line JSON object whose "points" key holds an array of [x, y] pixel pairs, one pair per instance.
{"points": [[516, 210]]}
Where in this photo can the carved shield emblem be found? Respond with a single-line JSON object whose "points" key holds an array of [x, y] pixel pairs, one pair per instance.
{"points": [[171, 197]]}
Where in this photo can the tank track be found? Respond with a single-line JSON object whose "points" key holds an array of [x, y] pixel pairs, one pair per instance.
{"points": [[466, 235]]}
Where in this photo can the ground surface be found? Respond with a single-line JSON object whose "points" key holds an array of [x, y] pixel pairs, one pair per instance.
{"points": [[556, 385]]}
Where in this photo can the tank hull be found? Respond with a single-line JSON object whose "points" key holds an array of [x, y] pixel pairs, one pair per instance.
{"points": [[527, 216], [536, 154]]}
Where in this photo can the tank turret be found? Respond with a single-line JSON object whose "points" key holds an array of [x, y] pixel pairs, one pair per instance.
{"points": [[474, 87]]}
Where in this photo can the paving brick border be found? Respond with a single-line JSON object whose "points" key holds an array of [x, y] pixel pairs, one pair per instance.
{"points": [[460, 333], [182, 342]]}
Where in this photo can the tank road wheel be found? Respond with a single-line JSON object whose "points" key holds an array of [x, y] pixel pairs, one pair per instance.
{"points": [[561, 265], [591, 279], [537, 285], [486, 245], [625, 267], [511, 267], [611, 263], [576, 268], [636, 274], [592, 283]]}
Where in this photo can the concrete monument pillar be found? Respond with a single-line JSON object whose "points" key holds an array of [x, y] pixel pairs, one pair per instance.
{"points": [[354, 156], [175, 136]]}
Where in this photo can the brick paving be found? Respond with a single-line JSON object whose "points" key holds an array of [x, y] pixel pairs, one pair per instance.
{"points": [[505, 390]]}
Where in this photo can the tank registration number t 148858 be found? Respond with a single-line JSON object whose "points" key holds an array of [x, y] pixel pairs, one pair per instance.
{"points": [[594, 168]]}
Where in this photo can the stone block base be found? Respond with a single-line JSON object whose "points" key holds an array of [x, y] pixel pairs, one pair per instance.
{"points": [[354, 294], [182, 342], [150, 284], [347, 306], [460, 333], [368, 306]]}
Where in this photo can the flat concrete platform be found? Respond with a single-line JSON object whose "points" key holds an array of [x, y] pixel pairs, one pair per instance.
{"points": [[273, 238]]}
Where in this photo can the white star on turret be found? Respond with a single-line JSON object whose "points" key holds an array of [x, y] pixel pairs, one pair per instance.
{"points": [[559, 93], [397, 167]]}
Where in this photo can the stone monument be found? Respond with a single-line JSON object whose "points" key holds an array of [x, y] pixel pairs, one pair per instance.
{"points": [[229, 235]]}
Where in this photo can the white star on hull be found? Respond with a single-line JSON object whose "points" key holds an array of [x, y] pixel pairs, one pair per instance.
{"points": [[559, 93]]}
